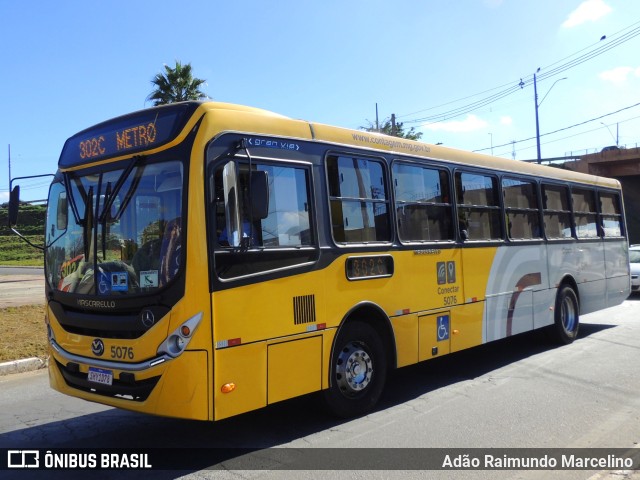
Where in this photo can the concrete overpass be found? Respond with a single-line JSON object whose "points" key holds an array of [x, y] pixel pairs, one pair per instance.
{"points": [[624, 165]]}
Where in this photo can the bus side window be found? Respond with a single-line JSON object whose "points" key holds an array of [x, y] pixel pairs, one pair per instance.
{"points": [[556, 212], [478, 206], [358, 199], [584, 213], [521, 208], [422, 202], [611, 213], [281, 222]]}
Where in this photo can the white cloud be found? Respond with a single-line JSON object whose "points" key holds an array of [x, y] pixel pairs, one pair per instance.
{"points": [[619, 75], [469, 124], [506, 121], [4, 197], [588, 11]]}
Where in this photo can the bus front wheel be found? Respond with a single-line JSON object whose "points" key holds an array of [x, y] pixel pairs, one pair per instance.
{"points": [[358, 370], [566, 315]]}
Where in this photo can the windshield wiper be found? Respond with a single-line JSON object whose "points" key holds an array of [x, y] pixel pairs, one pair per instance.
{"points": [[87, 224], [110, 196]]}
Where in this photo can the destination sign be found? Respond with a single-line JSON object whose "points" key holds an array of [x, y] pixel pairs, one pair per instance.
{"points": [[359, 268], [129, 134]]}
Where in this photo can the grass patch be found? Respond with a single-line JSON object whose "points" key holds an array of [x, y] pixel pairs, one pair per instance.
{"points": [[23, 333], [15, 251]]}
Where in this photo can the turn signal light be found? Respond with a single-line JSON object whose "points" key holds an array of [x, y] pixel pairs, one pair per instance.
{"points": [[228, 387]]}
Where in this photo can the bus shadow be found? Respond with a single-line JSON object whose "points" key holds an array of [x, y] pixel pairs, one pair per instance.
{"points": [[472, 363], [222, 444]]}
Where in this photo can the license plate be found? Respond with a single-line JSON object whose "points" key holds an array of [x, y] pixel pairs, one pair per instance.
{"points": [[98, 375]]}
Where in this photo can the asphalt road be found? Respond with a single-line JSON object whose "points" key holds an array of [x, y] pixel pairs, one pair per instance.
{"points": [[30, 271], [519, 392], [21, 286]]}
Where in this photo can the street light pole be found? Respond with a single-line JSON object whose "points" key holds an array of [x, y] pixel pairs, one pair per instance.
{"points": [[611, 133], [535, 98]]}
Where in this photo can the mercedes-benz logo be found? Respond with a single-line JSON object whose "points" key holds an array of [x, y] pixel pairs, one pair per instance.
{"points": [[97, 347], [147, 318]]}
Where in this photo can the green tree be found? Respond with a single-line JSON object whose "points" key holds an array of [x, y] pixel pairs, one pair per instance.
{"points": [[387, 129], [176, 85]]}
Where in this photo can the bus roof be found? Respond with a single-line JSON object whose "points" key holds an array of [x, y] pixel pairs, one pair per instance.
{"points": [[156, 126], [402, 146]]}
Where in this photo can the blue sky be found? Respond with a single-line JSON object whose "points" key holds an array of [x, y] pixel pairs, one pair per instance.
{"points": [[70, 64]]}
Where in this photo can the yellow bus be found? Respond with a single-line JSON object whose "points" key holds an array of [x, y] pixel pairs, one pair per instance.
{"points": [[206, 259]]}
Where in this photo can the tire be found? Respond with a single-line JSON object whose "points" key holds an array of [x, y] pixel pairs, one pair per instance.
{"points": [[358, 370], [566, 316]]}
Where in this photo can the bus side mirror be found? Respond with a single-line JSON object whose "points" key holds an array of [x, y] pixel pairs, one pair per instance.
{"points": [[14, 204], [259, 195]]}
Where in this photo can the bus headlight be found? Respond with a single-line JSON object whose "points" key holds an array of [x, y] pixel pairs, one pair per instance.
{"points": [[178, 340]]}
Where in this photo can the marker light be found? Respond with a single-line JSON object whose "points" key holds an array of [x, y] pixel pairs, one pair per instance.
{"points": [[228, 387]]}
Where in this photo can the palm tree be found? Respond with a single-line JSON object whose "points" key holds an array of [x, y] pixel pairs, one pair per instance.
{"points": [[176, 85]]}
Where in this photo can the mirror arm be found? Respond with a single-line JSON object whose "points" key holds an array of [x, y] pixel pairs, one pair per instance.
{"points": [[29, 242], [15, 203]]}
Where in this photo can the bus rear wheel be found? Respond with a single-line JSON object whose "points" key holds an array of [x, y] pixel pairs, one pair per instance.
{"points": [[358, 370], [566, 316]]}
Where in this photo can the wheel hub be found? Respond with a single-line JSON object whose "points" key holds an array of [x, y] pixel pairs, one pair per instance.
{"points": [[354, 369]]}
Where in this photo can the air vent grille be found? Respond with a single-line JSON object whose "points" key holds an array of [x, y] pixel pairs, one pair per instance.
{"points": [[304, 309]]}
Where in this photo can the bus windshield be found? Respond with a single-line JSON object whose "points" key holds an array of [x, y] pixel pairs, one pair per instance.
{"points": [[115, 232]]}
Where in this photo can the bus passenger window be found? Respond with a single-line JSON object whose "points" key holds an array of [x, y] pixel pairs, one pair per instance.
{"points": [[584, 211], [611, 215], [521, 208], [358, 200], [478, 206], [422, 201], [557, 212]]}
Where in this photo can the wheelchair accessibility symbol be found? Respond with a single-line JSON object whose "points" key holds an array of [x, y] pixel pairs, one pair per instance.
{"points": [[443, 328]]}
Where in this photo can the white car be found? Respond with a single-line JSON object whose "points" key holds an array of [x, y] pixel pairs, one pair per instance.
{"points": [[634, 260]]}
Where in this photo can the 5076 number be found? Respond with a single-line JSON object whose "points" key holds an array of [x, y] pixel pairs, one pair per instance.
{"points": [[451, 300], [122, 353]]}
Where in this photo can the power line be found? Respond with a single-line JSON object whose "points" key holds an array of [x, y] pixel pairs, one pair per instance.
{"points": [[525, 81], [560, 129]]}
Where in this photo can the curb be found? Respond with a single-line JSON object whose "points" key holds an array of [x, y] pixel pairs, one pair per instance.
{"points": [[21, 366]]}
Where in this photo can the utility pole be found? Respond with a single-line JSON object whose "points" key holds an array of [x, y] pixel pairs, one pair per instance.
{"points": [[393, 124], [377, 124], [9, 166], [535, 100], [535, 97]]}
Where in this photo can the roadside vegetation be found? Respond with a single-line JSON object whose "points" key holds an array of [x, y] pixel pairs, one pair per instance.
{"points": [[23, 333], [13, 250]]}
